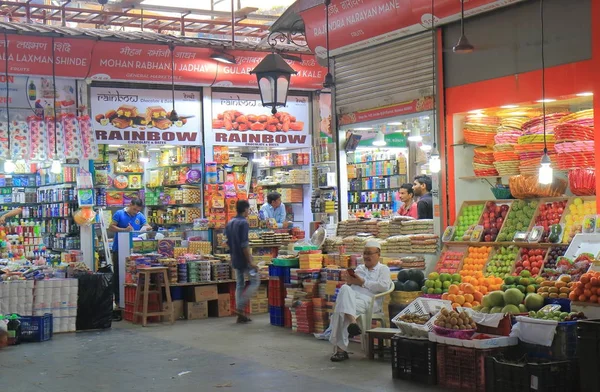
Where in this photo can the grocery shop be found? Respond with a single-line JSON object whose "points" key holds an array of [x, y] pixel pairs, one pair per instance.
{"points": [[454, 157]]}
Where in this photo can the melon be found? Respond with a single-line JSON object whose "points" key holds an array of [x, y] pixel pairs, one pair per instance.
{"points": [[534, 302], [513, 297], [512, 309], [403, 276], [496, 309], [410, 285], [399, 286], [486, 302], [496, 298], [416, 275], [485, 309]]}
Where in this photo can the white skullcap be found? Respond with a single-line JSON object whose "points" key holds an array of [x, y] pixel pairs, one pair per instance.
{"points": [[373, 244]]}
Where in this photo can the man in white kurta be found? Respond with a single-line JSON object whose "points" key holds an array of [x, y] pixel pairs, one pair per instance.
{"points": [[354, 297]]}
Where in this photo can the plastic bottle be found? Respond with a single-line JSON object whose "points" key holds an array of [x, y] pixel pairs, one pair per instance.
{"points": [[3, 332], [14, 330]]}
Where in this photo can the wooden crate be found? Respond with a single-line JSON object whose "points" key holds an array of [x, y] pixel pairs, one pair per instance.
{"points": [[452, 247], [544, 201], [462, 210], [496, 250], [492, 252], [567, 207], [500, 203]]}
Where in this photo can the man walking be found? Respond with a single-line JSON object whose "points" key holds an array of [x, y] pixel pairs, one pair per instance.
{"points": [[241, 259]]}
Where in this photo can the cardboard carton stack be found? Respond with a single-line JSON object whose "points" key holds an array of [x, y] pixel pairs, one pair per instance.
{"points": [[16, 296]]}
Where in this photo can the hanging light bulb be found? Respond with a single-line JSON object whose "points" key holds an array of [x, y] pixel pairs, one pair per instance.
{"points": [[379, 139], [20, 161], [435, 164], [9, 166], [546, 173], [144, 157], [56, 167]]}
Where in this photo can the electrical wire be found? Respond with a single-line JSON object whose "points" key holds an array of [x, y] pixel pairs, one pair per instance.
{"points": [[7, 92], [172, 47], [54, 99], [543, 75], [327, 2], [434, 55]]}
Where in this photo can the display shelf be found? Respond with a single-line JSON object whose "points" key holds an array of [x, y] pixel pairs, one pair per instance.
{"points": [[266, 245], [205, 283], [57, 184], [36, 203], [373, 202], [377, 175], [172, 205], [281, 185], [172, 166], [325, 163], [504, 243], [126, 173], [110, 189], [472, 178], [174, 186], [362, 163], [374, 189], [279, 167]]}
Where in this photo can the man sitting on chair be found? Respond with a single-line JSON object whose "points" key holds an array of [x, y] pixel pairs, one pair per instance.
{"points": [[355, 296]]}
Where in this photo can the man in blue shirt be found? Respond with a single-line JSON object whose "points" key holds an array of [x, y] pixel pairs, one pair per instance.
{"points": [[128, 219], [275, 209], [241, 259]]}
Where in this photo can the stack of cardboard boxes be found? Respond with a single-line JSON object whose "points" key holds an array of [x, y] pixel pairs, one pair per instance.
{"points": [[259, 303], [202, 302]]}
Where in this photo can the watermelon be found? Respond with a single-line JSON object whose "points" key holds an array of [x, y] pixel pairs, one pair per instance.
{"points": [[403, 275], [410, 285], [416, 275], [399, 286]]}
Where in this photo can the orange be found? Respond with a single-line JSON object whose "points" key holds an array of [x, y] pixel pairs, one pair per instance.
{"points": [[451, 297], [469, 298], [460, 299], [453, 289], [478, 296], [455, 305], [469, 288], [475, 303], [467, 305], [445, 296]]}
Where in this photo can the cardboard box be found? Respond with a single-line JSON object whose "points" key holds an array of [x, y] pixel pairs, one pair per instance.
{"points": [[178, 310], [203, 293], [196, 310], [221, 307]]}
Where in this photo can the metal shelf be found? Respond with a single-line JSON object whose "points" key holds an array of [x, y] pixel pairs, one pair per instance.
{"points": [[171, 166], [377, 189]]}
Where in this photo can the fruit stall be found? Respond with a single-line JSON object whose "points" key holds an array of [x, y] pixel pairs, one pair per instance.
{"points": [[513, 303]]}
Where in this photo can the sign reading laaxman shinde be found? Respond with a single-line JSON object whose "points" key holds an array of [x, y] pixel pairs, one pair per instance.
{"points": [[127, 116]]}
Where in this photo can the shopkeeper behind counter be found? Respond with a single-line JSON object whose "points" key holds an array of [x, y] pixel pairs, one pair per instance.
{"points": [[275, 209], [129, 218]]}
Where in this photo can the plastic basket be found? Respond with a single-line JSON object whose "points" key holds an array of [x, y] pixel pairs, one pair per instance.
{"points": [[276, 314], [293, 263], [502, 193], [463, 368], [414, 360], [405, 297], [421, 306], [588, 352], [508, 376], [36, 328]]}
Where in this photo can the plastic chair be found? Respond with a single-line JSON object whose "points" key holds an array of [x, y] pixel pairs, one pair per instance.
{"points": [[365, 320]]}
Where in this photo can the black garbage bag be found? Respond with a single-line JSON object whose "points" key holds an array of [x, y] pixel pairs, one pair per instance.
{"points": [[95, 303]]}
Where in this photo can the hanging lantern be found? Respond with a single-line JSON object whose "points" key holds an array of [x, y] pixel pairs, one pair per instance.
{"points": [[273, 76]]}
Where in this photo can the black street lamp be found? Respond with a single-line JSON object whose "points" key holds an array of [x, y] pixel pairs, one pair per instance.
{"points": [[273, 76]]}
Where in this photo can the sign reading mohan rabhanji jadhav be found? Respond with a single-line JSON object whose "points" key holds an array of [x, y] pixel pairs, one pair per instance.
{"points": [[137, 116], [241, 120]]}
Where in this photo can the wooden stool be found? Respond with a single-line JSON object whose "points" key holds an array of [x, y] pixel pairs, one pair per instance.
{"points": [[381, 334], [142, 293]]}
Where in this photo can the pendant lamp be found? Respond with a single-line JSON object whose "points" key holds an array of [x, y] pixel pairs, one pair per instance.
{"points": [[173, 116], [9, 165], [545, 174], [379, 140], [273, 76], [435, 165], [463, 45], [56, 167], [328, 83]]}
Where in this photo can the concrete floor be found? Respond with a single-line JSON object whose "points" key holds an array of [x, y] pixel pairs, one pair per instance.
{"points": [[199, 355]]}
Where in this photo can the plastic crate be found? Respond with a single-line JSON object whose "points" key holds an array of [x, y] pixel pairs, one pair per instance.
{"points": [[588, 352], [176, 293], [276, 314], [36, 328], [463, 368], [414, 360], [282, 272], [527, 375], [565, 304], [564, 345]]}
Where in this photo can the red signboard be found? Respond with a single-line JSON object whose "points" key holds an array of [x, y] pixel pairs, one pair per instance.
{"points": [[414, 106], [355, 24], [310, 74], [32, 55]]}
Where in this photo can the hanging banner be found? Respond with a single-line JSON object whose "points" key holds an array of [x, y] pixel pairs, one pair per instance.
{"points": [[134, 62], [241, 120], [134, 116], [28, 95], [310, 75], [409, 107], [32, 55], [357, 24]]}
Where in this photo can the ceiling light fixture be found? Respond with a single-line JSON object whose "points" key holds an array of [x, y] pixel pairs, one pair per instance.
{"points": [[56, 167], [273, 76], [426, 147], [463, 45], [394, 123], [585, 94], [415, 138], [509, 106], [545, 174], [546, 100], [223, 57], [435, 164], [363, 129], [476, 111], [379, 140]]}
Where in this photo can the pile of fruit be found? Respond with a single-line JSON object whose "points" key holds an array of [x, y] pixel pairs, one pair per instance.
{"points": [[409, 280], [578, 209], [484, 284], [475, 260], [463, 294], [560, 288], [451, 319], [449, 262], [440, 283], [550, 272], [415, 318], [510, 301], [502, 261], [557, 315], [523, 282], [468, 217], [492, 220], [519, 219], [531, 260], [549, 217], [587, 289]]}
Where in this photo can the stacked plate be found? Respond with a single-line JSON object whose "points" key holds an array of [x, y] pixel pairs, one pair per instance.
{"points": [[483, 162], [480, 130], [582, 117], [575, 141], [536, 125], [506, 160]]}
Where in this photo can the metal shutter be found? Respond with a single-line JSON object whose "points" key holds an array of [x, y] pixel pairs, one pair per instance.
{"points": [[383, 75]]}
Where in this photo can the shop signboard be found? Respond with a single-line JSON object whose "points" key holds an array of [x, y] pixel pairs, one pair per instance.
{"points": [[241, 120], [310, 75], [408, 107], [392, 140], [138, 116], [32, 55], [357, 24]]}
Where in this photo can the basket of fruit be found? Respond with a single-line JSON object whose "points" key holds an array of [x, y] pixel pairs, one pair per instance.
{"points": [[418, 317], [453, 324]]}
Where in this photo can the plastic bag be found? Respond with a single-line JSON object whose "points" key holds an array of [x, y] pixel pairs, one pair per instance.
{"points": [[95, 304], [534, 331]]}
